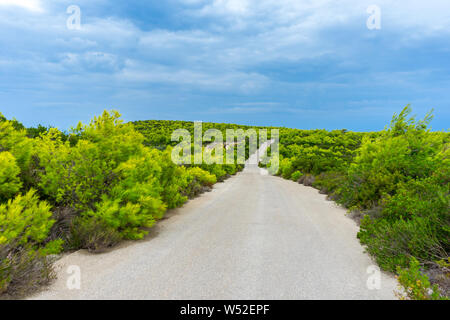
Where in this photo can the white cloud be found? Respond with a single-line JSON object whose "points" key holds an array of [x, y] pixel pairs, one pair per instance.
{"points": [[232, 47], [426, 16], [169, 39], [91, 61], [189, 78], [236, 7], [33, 5]]}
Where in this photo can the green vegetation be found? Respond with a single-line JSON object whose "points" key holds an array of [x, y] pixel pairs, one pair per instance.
{"points": [[158, 133], [396, 182], [90, 188], [107, 181], [416, 285]]}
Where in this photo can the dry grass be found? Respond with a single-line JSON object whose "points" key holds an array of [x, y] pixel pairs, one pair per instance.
{"points": [[441, 277], [23, 271], [93, 235], [307, 180]]}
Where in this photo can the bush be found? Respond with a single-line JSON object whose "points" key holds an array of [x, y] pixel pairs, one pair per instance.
{"points": [[203, 177], [296, 176], [317, 151], [419, 198], [331, 183], [286, 168], [307, 180], [78, 175], [405, 151], [107, 174], [17, 143], [197, 181], [22, 270], [10, 182], [127, 218], [416, 285], [74, 176], [25, 220], [413, 223], [61, 229], [394, 244], [93, 234], [171, 179]]}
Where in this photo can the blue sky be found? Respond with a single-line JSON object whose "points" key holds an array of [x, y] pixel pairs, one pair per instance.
{"points": [[293, 63]]}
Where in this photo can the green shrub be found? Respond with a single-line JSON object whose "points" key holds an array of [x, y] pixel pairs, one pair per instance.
{"points": [[93, 234], [286, 168], [171, 179], [128, 218], [78, 175], [331, 183], [418, 198], [404, 151], [115, 140], [25, 223], [25, 219], [17, 143], [416, 285], [413, 223], [197, 181], [317, 151], [107, 174], [10, 182], [203, 177], [394, 243], [134, 202], [296, 175], [72, 176], [217, 170], [232, 169]]}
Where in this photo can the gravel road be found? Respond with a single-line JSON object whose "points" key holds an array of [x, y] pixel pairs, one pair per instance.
{"points": [[254, 236]]}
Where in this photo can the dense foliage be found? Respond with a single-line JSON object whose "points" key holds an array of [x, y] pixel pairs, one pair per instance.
{"points": [[107, 181], [396, 181], [158, 133], [89, 188]]}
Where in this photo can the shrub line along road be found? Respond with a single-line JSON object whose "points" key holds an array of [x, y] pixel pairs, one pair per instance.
{"points": [[254, 236]]}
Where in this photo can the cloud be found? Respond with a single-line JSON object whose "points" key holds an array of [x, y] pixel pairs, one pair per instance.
{"points": [[424, 18], [246, 83], [238, 54], [170, 39], [91, 61], [32, 5], [226, 7]]}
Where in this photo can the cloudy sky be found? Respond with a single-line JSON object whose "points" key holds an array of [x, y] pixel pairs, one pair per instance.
{"points": [[294, 63]]}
